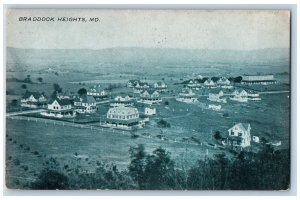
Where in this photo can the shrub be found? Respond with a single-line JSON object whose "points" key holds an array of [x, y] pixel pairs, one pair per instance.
{"points": [[50, 180], [163, 124]]}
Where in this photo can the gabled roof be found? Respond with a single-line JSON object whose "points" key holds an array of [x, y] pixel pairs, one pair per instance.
{"points": [[160, 83], [223, 79], [36, 95], [62, 102], [150, 91], [242, 126]]}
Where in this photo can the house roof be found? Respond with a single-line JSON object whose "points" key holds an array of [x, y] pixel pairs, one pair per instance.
{"points": [[150, 91], [61, 102], [160, 83], [223, 79], [242, 126], [35, 94], [123, 110]]}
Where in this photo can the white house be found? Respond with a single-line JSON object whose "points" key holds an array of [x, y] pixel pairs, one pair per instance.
{"points": [[160, 86], [142, 85], [150, 97], [223, 81], [97, 93], [193, 84], [217, 97], [150, 111], [132, 83], [239, 95], [59, 108], [122, 101], [33, 100], [240, 135], [122, 117], [85, 104], [209, 82]]}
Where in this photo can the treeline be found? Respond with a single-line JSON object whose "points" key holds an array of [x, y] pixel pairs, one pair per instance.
{"points": [[267, 170], [237, 79]]}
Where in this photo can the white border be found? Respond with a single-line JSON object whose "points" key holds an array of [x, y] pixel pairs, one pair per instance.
{"points": [[137, 4]]}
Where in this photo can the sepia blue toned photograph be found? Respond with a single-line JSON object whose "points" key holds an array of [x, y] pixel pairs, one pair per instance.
{"points": [[140, 99]]}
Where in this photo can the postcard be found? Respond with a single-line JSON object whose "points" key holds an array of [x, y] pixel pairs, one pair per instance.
{"points": [[140, 99]]}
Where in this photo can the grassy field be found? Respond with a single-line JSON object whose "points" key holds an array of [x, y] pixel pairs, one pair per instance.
{"points": [[268, 119], [30, 144]]}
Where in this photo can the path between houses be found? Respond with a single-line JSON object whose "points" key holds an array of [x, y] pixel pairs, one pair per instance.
{"points": [[24, 112]]}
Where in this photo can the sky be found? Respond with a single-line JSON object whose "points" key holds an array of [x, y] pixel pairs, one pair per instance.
{"points": [[185, 29]]}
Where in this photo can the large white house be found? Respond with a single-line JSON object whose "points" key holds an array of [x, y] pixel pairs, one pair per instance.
{"points": [[239, 135], [33, 100], [122, 117], [85, 104], [150, 97], [59, 108]]}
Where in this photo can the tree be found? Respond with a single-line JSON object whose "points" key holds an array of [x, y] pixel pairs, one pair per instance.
{"points": [[238, 79], [166, 103], [159, 171], [57, 89], [137, 165], [40, 79], [82, 92], [50, 179], [217, 135], [24, 86], [27, 79], [14, 102]]}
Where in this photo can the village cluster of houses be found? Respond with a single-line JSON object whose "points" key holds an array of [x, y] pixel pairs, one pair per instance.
{"points": [[222, 82], [123, 114], [64, 105]]}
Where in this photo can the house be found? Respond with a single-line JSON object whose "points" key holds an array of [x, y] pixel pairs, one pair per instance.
{"points": [[239, 95], [85, 104], [217, 97], [141, 85], [33, 100], [63, 95], [97, 93], [223, 81], [137, 84], [160, 86], [239, 135], [187, 96], [122, 101], [132, 83], [209, 82], [193, 84], [150, 111], [59, 108], [258, 79], [122, 118], [150, 97]]}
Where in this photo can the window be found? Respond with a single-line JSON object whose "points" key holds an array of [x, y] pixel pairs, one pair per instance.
{"points": [[240, 134], [232, 133]]}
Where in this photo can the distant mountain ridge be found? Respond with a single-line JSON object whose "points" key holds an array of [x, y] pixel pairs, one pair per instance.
{"points": [[140, 56]]}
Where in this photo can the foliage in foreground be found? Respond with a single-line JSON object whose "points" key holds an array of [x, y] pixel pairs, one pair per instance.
{"points": [[266, 170]]}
